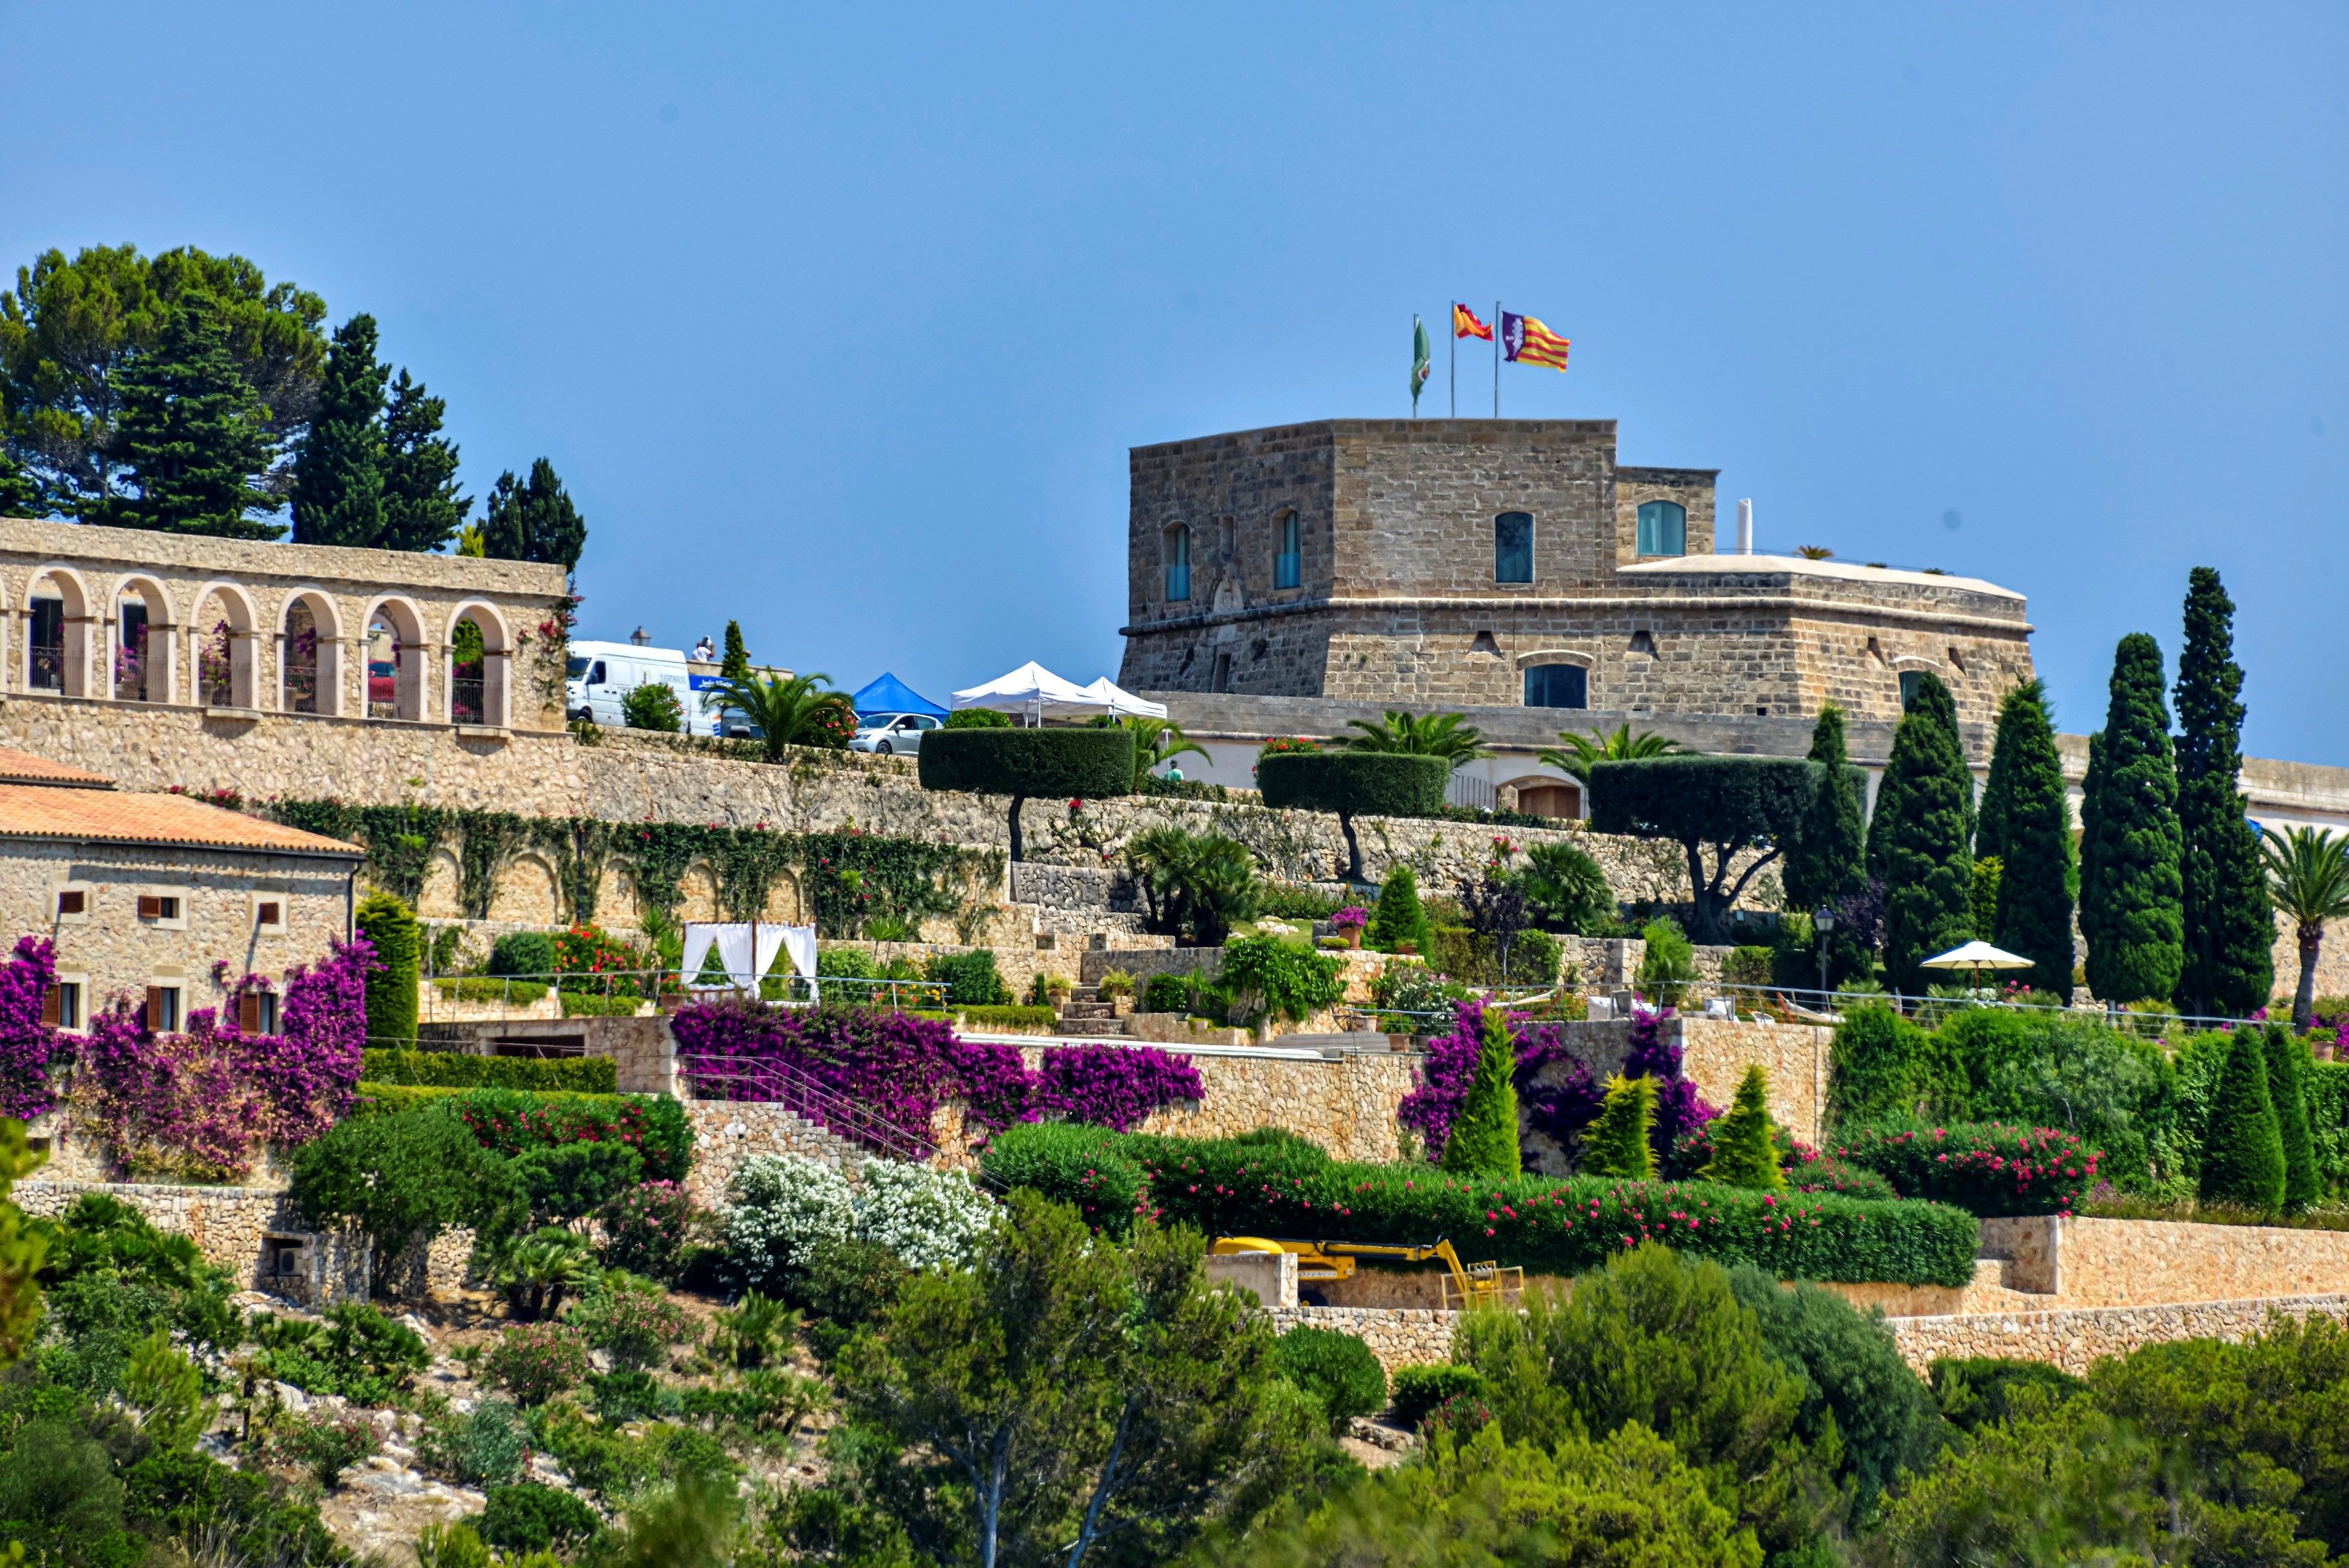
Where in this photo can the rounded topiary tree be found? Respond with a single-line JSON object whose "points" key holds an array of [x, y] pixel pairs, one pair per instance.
{"points": [[1082, 763], [392, 999], [1352, 784], [2242, 1150], [1484, 1137]]}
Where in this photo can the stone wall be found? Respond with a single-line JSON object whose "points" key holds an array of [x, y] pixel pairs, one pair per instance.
{"points": [[2076, 1339], [1344, 1101], [727, 1132], [1399, 1336], [233, 1227], [2087, 1261]]}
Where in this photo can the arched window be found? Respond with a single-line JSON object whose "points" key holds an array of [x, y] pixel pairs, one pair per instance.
{"points": [[1288, 566], [1178, 562], [1557, 685], [1912, 683], [1513, 547], [1663, 528]]}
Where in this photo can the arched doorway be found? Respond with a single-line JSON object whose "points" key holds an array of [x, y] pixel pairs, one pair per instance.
{"points": [[479, 659], [310, 656], [221, 642], [57, 634], [141, 643], [395, 662]]}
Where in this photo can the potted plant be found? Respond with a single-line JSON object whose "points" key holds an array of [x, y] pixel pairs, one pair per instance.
{"points": [[1350, 921]]}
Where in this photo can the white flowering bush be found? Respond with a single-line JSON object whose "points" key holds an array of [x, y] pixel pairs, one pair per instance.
{"points": [[931, 1219], [784, 1206]]}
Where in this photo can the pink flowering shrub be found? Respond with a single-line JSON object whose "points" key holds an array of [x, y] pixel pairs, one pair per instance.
{"points": [[1988, 1168], [203, 1103], [651, 1229], [1557, 1095], [26, 1044], [1112, 1086]]}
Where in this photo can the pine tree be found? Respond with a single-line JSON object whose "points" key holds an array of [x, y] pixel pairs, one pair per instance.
{"points": [[1928, 868], [1744, 1145], [1397, 917], [2230, 930], [338, 477], [2242, 1148], [534, 521], [20, 493], [1484, 1137], [391, 996], [2027, 823], [2129, 890], [422, 507], [1616, 1143], [2288, 1065], [192, 434], [735, 665]]}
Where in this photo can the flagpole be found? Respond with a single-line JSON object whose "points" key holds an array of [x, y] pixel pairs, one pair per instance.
{"points": [[1496, 359], [1454, 313]]}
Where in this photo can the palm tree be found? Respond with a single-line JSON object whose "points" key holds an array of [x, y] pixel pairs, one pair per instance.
{"points": [[1577, 753], [789, 710], [1815, 553], [1445, 735], [1156, 740], [1195, 885], [2308, 879]]}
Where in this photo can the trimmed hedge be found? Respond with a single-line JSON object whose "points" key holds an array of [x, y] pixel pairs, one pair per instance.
{"points": [[509, 1121], [1984, 1168], [1084, 764], [1262, 1186], [488, 989], [455, 1070], [1357, 783]]}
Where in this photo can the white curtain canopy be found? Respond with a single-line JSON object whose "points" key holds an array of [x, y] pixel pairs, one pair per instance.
{"points": [[746, 951]]}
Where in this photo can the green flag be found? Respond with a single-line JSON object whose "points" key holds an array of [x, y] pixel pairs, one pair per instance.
{"points": [[1421, 361]]}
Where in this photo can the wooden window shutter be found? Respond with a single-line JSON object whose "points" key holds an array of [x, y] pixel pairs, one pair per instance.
{"points": [[154, 1003], [248, 1012], [73, 900], [52, 1012], [271, 914], [150, 908]]}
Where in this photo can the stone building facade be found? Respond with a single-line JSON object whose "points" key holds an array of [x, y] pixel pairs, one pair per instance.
{"points": [[160, 899], [239, 628], [1514, 562]]}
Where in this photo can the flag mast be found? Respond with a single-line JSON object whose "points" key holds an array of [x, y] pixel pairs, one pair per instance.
{"points": [[1455, 316], [1496, 359]]}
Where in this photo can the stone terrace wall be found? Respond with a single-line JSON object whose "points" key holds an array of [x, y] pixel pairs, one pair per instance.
{"points": [[2076, 1338], [2088, 1261], [1399, 1336], [1345, 1103], [227, 1225], [725, 1132]]}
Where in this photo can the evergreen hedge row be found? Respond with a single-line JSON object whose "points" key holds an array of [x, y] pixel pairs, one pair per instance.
{"points": [[508, 1121], [1984, 1168], [1086, 764], [456, 1069], [1271, 1184]]}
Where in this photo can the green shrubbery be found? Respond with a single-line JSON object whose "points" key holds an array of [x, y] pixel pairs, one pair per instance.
{"points": [[459, 1070], [1337, 1369], [1419, 1389], [523, 952]]}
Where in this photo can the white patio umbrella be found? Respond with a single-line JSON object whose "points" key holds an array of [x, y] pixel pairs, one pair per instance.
{"points": [[1976, 956]]}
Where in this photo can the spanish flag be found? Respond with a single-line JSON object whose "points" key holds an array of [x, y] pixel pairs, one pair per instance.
{"points": [[1465, 325], [1526, 341]]}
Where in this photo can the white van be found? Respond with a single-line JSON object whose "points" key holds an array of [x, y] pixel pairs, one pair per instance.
{"points": [[602, 675]]}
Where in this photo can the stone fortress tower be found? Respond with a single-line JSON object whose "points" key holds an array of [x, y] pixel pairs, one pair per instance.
{"points": [[1514, 563]]}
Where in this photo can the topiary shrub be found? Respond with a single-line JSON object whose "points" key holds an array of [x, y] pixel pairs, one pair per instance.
{"points": [[1484, 1137], [2242, 1150], [1875, 1065], [970, 979], [1398, 918], [1616, 1144], [1722, 803], [1085, 764], [1417, 1390], [2288, 1064], [1337, 1369], [392, 999], [523, 952], [534, 1518], [1744, 1143], [1352, 784]]}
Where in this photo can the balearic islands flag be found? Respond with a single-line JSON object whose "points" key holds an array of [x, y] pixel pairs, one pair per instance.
{"points": [[1465, 325], [1526, 341]]}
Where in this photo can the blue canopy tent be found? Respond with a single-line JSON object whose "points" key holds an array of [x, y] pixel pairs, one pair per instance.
{"points": [[890, 694]]}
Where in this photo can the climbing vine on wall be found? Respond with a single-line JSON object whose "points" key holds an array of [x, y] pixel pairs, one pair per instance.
{"points": [[399, 840], [487, 841]]}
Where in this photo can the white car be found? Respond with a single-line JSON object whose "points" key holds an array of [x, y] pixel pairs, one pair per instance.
{"points": [[891, 732]]}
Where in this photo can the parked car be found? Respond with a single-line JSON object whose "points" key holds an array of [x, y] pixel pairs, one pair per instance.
{"points": [[602, 675], [891, 732]]}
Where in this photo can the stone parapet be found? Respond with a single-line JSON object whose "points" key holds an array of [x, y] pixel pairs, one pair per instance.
{"points": [[2076, 1339], [2082, 1260]]}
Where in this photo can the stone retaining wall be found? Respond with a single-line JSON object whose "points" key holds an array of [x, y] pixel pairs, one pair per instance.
{"points": [[2076, 1338], [229, 1225], [1345, 1103], [2087, 1261], [725, 1132], [1399, 1336]]}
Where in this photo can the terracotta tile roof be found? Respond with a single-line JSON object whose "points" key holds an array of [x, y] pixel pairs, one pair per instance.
{"points": [[109, 816], [23, 767]]}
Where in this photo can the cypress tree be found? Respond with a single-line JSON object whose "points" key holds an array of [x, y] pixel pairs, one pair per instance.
{"points": [[1827, 860], [338, 477], [1928, 865], [2129, 888], [2230, 930], [191, 433], [422, 507], [1397, 917], [1616, 1143], [2242, 1148], [2027, 823], [1744, 1145], [2288, 1064], [390, 986], [736, 665], [534, 520], [1484, 1137]]}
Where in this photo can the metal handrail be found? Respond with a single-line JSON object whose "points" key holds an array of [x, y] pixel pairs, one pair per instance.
{"points": [[780, 1083]]}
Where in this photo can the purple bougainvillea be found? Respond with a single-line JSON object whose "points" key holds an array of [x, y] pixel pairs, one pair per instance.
{"points": [[1113, 1086], [204, 1102], [25, 1042], [1560, 1109]]}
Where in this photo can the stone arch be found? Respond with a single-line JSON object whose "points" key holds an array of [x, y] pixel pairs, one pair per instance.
{"points": [[392, 681], [783, 900], [697, 893], [479, 690], [310, 644], [528, 892], [223, 657], [439, 900], [57, 632], [143, 628]]}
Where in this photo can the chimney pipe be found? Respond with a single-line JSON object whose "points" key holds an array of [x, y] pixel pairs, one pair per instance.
{"points": [[1745, 527]]}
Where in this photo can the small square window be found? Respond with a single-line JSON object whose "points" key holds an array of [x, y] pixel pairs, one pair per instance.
{"points": [[163, 1009], [269, 914], [256, 1013], [74, 901], [61, 1006], [166, 909]]}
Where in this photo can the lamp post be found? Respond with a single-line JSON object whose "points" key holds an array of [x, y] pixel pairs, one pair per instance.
{"points": [[1823, 921]]}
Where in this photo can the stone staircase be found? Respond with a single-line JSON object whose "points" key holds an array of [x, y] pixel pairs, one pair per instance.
{"points": [[1086, 1016]]}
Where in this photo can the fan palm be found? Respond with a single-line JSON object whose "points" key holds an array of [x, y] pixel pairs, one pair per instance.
{"points": [[1577, 754], [1446, 735], [1195, 884], [789, 710], [1568, 887], [2308, 879]]}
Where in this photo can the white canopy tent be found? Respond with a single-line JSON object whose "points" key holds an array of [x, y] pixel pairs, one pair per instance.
{"points": [[1037, 693]]}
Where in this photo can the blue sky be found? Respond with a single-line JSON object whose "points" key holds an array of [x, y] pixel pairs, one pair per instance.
{"points": [[839, 320]]}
